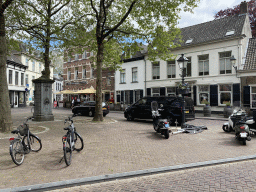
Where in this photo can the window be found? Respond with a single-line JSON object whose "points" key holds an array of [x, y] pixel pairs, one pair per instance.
{"points": [[189, 41], [155, 92], [109, 79], [122, 76], [84, 56], [225, 64], [91, 54], [137, 95], [134, 74], [84, 72], [156, 70], [76, 73], [225, 94], [26, 61], [203, 94], [33, 77], [33, 66], [171, 69], [188, 69], [171, 91], [69, 74], [26, 80], [21, 97], [127, 97], [69, 59], [10, 77], [203, 61], [76, 57], [16, 78], [22, 79], [92, 72], [253, 97]]}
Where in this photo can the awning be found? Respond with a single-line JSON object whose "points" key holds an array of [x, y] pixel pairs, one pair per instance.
{"points": [[65, 92], [86, 91]]}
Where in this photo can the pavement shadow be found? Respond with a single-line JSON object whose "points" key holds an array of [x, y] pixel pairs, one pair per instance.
{"points": [[55, 161]]}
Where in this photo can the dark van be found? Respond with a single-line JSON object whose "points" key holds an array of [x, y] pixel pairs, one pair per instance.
{"points": [[171, 108]]}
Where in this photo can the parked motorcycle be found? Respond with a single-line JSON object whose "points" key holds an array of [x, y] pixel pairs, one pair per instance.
{"points": [[239, 122], [160, 125]]}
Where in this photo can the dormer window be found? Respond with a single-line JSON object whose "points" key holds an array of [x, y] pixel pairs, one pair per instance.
{"points": [[189, 41], [231, 32]]}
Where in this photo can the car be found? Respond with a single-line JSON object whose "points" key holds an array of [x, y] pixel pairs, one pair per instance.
{"points": [[172, 108], [88, 108]]}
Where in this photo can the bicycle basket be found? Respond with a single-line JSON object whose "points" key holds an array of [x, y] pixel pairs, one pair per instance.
{"points": [[23, 129]]}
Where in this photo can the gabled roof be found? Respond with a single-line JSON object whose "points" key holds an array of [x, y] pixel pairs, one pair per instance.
{"points": [[213, 30], [13, 60], [250, 60]]}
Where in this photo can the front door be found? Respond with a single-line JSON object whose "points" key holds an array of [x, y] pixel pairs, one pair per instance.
{"points": [[16, 101]]}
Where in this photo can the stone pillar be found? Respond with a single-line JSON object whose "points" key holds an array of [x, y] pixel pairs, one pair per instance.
{"points": [[43, 100]]}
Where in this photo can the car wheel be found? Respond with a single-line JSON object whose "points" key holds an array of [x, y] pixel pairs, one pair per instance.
{"points": [[90, 114], [130, 117]]}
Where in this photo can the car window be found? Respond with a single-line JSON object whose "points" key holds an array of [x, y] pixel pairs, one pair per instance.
{"points": [[142, 101]]}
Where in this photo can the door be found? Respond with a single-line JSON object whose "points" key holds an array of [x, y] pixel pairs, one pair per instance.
{"points": [[16, 101]]}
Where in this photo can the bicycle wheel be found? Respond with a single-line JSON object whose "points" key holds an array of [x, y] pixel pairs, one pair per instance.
{"points": [[35, 142], [17, 152], [67, 151], [79, 143]]}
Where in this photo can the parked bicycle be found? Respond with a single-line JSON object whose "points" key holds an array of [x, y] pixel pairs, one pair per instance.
{"points": [[71, 141], [24, 143]]}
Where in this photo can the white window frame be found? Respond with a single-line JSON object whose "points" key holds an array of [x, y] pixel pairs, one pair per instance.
{"points": [[76, 57], [10, 83], [84, 56], [92, 72], [252, 96], [155, 91], [69, 74], [22, 79], [16, 78], [135, 74], [156, 70], [171, 69], [231, 94], [170, 91], [205, 65], [33, 66], [122, 76], [84, 72], [205, 92], [76, 72], [226, 62]]}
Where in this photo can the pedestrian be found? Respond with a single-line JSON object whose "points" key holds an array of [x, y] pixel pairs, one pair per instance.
{"points": [[73, 103], [57, 103]]}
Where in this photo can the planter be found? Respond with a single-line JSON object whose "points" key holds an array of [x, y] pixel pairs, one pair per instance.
{"points": [[207, 111], [183, 91], [227, 111]]}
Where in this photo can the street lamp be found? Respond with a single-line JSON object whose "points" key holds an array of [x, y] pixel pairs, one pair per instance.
{"points": [[233, 62], [183, 61]]}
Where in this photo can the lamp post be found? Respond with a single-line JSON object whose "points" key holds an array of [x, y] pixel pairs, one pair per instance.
{"points": [[183, 61], [233, 63]]}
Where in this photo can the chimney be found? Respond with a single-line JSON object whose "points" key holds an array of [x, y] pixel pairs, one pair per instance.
{"points": [[243, 8]]}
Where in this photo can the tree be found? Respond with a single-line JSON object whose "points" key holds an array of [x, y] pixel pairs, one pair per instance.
{"points": [[236, 9], [5, 110], [115, 27]]}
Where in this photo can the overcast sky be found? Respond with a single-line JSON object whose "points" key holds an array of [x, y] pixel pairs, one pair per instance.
{"points": [[205, 11]]}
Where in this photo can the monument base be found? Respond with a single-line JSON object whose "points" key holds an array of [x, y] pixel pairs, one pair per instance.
{"points": [[43, 100]]}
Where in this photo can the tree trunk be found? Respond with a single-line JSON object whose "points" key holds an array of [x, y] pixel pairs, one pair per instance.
{"points": [[5, 109], [98, 116]]}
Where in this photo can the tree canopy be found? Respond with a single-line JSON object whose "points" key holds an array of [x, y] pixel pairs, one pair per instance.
{"points": [[236, 9]]}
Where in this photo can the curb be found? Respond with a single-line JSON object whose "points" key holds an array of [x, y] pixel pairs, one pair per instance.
{"points": [[105, 178]]}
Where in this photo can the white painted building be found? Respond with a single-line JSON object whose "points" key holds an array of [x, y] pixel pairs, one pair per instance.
{"points": [[15, 78], [209, 74], [57, 87]]}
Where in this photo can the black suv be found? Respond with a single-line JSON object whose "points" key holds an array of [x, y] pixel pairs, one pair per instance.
{"points": [[171, 108]]}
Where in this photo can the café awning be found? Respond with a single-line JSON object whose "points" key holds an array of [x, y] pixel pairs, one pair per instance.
{"points": [[86, 91], [65, 92]]}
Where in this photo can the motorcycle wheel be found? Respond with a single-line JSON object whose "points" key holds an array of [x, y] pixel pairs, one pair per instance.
{"points": [[156, 128], [167, 134], [226, 128], [244, 141]]}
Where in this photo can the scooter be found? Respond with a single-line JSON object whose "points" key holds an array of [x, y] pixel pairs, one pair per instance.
{"points": [[160, 125], [239, 122]]}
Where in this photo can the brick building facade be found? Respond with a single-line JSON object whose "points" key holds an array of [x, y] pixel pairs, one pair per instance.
{"points": [[79, 74]]}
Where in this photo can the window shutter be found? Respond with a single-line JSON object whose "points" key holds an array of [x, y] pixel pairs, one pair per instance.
{"points": [[118, 98], [236, 94], [194, 93], [162, 91], [247, 96], [131, 96], [141, 93], [214, 95], [122, 96], [148, 91]]}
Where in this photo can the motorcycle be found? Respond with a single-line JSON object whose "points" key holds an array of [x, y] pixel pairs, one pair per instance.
{"points": [[160, 125], [240, 123]]}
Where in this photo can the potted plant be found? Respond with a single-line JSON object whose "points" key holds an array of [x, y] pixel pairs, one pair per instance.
{"points": [[207, 108], [183, 88]]}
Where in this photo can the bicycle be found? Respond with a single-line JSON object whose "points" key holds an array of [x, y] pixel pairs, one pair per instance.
{"points": [[24, 143], [71, 141]]}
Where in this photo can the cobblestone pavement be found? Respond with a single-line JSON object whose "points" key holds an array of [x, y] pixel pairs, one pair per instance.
{"points": [[236, 177], [114, 146]]}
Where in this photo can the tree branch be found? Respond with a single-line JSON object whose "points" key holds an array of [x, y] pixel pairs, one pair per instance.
{"points": [[30, 4], [95, 10], [122, 20], [5, 5], [60, 8]]}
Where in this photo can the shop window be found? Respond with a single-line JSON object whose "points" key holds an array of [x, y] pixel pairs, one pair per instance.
{"points": [[21, 97], [203, 94], [225, 92], [171, 91], [253, 97], [155, 92]]}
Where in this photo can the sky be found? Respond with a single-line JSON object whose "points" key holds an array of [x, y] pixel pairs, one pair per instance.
{"points": [[205, 11]]}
